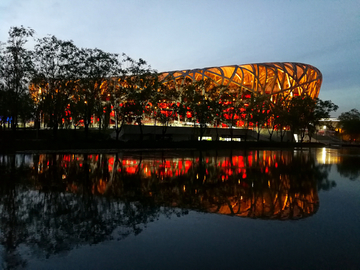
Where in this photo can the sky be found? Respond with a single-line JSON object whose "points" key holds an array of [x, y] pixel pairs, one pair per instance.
{"points": [[187, 34]]}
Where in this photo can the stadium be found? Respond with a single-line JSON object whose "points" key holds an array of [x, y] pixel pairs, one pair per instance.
{"points": [[292, 79], [265, 79], [271, 81]]}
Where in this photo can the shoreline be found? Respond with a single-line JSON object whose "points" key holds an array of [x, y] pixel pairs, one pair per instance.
{"points": [[30, 141], [31, 146]]}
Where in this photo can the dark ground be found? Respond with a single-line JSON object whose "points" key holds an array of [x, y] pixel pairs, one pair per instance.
{"points": [[70, 139]]}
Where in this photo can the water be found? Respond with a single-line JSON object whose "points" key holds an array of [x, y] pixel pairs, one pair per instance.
{"points": [[261, 209]]}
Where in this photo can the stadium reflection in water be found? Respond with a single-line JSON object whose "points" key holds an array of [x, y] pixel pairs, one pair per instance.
{"points": [[261, 184], [54, 202]]}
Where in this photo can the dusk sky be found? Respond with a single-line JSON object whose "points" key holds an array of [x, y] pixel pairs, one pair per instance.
{"points": [[176, 35]]}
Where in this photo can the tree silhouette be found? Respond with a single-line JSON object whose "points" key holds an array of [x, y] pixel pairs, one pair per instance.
{"points": [[350, 123], [56, 71], [16, 70]]}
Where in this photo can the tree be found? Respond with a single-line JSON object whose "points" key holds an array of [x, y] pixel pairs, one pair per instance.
{"points": [[27, 111], [281, 115], [139, 84], [76, 108], [118, 100], [96, 68], [57, 64], [350, 123], [4, 108], [163, 105], [130, 93], [234, 108], [271, 127], [305, 114], [216, 98], [16, 70], [259, 109], [197, 104], [301, 110], [321, 111]]}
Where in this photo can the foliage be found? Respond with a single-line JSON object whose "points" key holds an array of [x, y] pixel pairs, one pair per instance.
{"points": [[216, 97], [259, 108], [234, 109], [300, 112], [322, 111], [163, 105], [199, 104], [131, 93], [350, 123], [16, 70], [280, 114], [305, 114], [96, 67], [56, 71]]}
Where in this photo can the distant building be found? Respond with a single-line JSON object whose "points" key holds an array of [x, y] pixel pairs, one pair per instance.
{"points": [[329, 126]]}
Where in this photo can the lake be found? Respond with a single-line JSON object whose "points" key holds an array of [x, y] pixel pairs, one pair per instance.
{"points": [[239, 209]]}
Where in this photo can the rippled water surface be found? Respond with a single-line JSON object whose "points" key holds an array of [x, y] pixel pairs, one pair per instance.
{"points": [[260, 209]]}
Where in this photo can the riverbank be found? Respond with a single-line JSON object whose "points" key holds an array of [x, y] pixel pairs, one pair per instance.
{"points": [[75, 140]]}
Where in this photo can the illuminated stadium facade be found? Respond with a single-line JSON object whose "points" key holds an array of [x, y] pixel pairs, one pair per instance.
{"points": [[273, 80], [292, 79], [277, 81]]}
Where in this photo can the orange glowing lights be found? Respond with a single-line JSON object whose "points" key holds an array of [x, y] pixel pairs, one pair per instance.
{"points": [[265, 78]]}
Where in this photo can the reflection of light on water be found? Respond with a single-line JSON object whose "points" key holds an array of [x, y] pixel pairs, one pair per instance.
{"points": [[270, 196], [328, 156], [324, 155]]}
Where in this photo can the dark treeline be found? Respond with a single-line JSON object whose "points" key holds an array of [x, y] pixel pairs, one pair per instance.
{"points": [[58, 85]]}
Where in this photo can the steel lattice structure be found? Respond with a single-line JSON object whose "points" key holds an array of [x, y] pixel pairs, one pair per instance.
{"points": [[292, 79]]}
